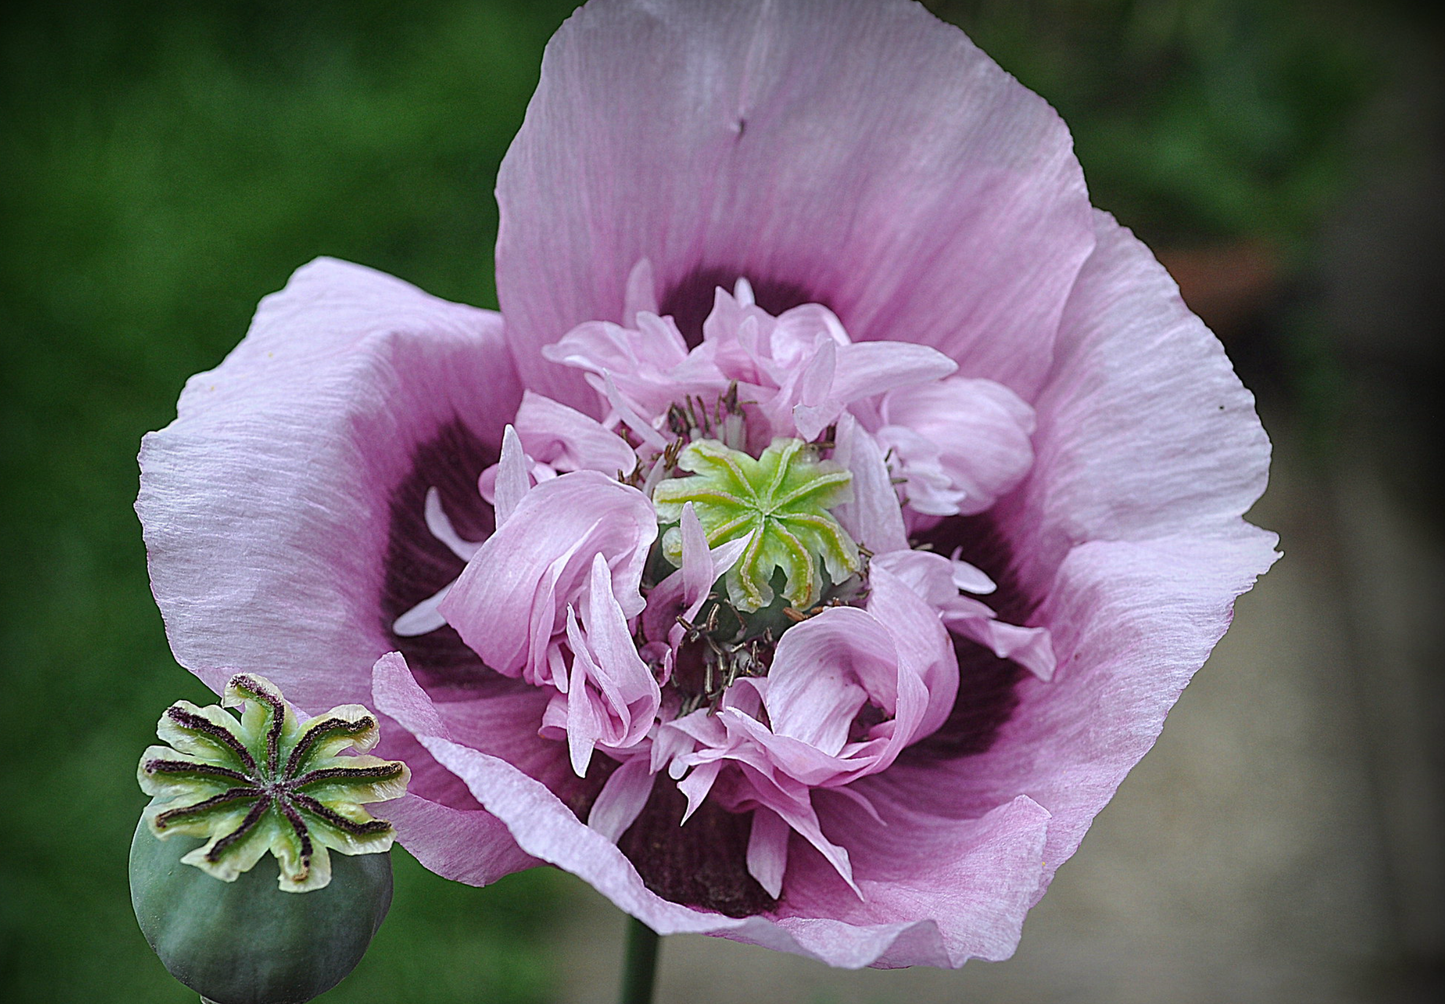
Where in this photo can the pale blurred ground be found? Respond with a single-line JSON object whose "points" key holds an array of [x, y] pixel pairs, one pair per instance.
{"points": [[1285, 839]]}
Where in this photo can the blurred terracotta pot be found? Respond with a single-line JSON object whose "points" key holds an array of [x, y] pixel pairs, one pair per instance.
{"points": [[1226, 284]]}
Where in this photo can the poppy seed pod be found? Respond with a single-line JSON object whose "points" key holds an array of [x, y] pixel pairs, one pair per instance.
{"points": [[265, 782], [247, 942]]}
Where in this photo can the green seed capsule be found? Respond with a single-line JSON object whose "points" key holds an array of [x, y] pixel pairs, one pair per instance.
{"points": [[247, 942], [265, 782]]}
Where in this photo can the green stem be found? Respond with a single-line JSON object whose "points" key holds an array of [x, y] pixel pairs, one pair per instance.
{"points": [[639, 970]]}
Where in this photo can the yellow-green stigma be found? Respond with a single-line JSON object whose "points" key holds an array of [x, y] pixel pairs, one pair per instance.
{"points": [[783, 499], [268, 782]]}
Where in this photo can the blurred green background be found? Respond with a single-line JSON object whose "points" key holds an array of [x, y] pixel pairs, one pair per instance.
{"points": [[165, 165]]}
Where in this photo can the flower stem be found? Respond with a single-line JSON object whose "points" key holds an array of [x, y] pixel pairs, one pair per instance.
{"points": [[639, 969]]}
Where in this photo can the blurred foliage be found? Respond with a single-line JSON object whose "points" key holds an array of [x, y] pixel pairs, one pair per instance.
{"points": [[1195, 120], [162, 167]]}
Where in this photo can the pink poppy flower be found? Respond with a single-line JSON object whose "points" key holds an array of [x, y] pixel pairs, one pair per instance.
{"points": [[822, 530]]}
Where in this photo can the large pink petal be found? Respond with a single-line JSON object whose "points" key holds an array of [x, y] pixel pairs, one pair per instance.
{"points": [[285, 513], [1144, 430], [464, 845], [858, 153], [936, 891], [1127, 544], [270, 504]]}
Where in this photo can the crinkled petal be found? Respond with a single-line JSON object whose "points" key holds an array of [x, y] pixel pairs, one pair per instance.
{"points": [[823, 672], [568, 440], [872, 518], [1030, 647], [929, 196], [976, 431], [642, 361], [927, 666], [768, 850], [875, 367], [510, 599], [612, 696], [512, 478]]}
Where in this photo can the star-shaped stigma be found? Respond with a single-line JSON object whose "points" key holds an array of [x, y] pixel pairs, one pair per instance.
{"points": [[268, 782], [782, 499]]}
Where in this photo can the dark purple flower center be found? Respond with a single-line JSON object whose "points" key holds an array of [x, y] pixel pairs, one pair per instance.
{"points": [[690, 300]]}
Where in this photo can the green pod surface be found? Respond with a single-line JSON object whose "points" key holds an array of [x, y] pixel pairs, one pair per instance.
{"points": [[248, 942]]}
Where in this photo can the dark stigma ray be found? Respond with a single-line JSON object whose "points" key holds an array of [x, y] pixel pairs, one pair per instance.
{"points": [[298, 825], [198, 723], [337, 820], [325, 730], [384, 772], [165, 819], [247, 824], [690, 299], [209, 770], [253, 690]]}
